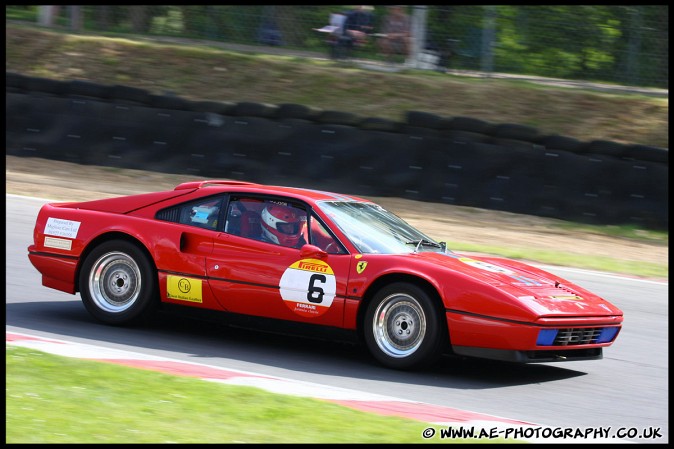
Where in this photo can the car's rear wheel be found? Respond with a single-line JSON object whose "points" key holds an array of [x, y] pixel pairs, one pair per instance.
{"points": [[118, 283], [403, 329]]}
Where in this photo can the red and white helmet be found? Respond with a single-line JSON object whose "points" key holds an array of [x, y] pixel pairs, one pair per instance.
{"points": [[282, 225]]}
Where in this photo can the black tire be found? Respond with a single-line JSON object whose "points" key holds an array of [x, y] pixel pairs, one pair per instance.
{"points": [[463, 137], [213, 107], [16, 80], [300, 111], [88, 89], [253, 109], [170, 102], [46, 85], [513, 144], [118, 283], [408, 310], [380, 124], [339, 118], [470, 124], [606, 147], [130, 95], [557, 142], [514, 132], [646, 153], [424, 119]]}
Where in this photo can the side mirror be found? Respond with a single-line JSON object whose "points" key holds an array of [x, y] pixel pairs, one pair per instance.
{"points": [[312, 251]]}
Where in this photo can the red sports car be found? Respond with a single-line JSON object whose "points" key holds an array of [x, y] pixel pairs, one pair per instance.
{"points": [[309, 256]]}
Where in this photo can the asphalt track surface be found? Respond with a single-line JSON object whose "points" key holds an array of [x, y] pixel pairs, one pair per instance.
{"points": [[627, 389]]}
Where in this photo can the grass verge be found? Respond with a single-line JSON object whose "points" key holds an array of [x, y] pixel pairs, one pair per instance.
{"points": [[605, 264], [54, 399]]}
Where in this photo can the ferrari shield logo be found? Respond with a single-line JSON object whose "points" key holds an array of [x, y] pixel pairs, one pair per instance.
{"points": [[360, 267]]}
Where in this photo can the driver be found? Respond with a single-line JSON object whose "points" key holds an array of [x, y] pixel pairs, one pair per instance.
{"points": [[282, 225]]}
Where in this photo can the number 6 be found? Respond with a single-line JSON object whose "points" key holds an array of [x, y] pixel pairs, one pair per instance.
{"points": [[315, 294]]}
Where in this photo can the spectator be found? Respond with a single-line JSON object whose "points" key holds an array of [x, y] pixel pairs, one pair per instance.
{"points": [[359, 24], [396, 33], [348, 29]]}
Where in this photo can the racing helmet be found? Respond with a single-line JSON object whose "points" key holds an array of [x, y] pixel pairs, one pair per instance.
{"points": [[282, 225]]}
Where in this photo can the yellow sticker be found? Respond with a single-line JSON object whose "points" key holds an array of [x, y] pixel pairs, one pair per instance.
{"points": [[315, 265], [360, 266], [183, 289]]}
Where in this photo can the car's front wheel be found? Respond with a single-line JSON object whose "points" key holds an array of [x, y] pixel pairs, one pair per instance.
{"points": [[402, 328], [118, 283]]}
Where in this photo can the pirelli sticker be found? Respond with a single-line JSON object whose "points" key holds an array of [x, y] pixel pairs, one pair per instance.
{"points": [[183, 288], [308, 287]]}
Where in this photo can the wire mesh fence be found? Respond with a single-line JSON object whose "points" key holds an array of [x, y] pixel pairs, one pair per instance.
{"points": [[615, 44]]}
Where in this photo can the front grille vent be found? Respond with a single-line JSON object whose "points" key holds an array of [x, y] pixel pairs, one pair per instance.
{"points": [[581, 336]]}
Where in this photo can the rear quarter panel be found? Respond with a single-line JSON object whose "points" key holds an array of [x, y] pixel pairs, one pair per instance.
{"points": [[63, 236]]}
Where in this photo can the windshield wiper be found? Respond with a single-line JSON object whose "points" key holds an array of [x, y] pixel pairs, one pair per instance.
{"points": [[422, 242]]}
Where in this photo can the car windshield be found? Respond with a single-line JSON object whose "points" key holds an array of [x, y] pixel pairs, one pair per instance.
{"points": [[374, 230]]}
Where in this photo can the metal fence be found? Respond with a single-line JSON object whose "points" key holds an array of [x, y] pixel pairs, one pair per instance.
{"points": [[617, 44]]}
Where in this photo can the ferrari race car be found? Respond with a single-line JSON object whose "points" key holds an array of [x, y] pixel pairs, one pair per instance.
{"points": [[308, 256]]}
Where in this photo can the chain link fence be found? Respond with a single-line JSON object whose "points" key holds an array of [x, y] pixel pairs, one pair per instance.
{"points": [[626, 45]]}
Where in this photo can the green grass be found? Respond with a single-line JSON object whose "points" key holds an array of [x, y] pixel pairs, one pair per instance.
{"points": [[622, 231], [53, 399], [585, 261]]}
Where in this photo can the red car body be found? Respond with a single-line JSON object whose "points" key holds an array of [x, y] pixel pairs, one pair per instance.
{"points": [[188, 247]]}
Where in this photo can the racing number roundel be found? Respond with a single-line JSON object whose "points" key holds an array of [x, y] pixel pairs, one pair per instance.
{"points": [[308, 287]]}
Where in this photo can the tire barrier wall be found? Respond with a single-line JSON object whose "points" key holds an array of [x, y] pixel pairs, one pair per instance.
{"points": [[454, 160]]}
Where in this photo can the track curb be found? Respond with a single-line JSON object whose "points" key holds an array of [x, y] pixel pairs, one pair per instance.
{"points": [[363, 401]]}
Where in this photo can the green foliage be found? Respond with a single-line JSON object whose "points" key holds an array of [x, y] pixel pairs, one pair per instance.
{"points": [[21, 12], [594, 42], [170, 24]]}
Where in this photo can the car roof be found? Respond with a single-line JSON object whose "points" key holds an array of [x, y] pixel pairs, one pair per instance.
{"points": [[310, 195]]}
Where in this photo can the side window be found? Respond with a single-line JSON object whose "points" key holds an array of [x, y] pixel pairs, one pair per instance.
{"points": [[243, 217], [321, 238], [202, 213], [269, 220]]}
